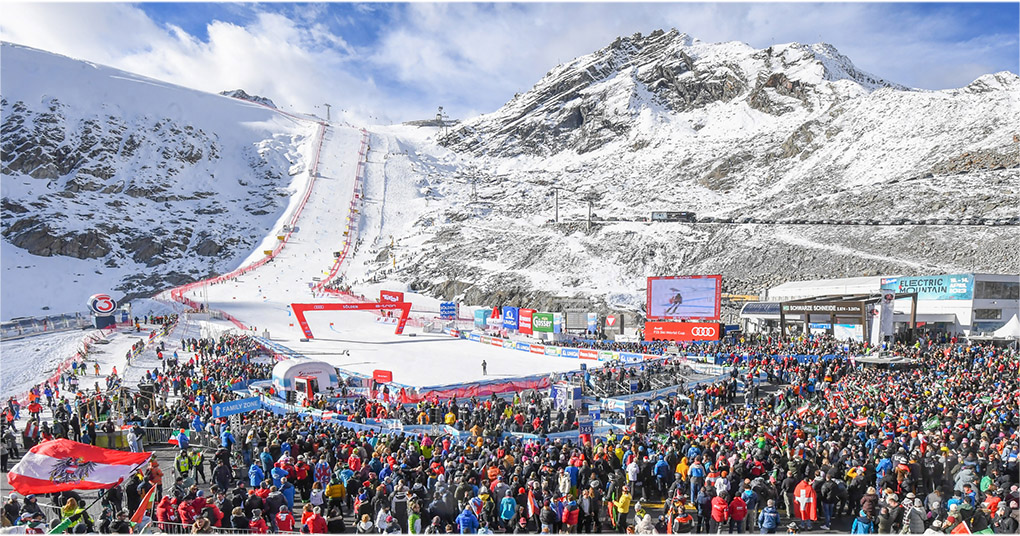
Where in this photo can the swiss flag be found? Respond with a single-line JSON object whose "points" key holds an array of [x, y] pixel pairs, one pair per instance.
{"points": [[805, 502]]}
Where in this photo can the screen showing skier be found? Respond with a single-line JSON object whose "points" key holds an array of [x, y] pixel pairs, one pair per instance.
{"points": [[684, 296]]}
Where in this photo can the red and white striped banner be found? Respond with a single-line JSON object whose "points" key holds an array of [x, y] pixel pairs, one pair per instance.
{"points": [[62, 464]]}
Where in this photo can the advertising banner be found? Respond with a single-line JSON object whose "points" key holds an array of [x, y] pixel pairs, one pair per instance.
{"points": [[448, 310], [848, 332], [480, 318], [508, 344], [606, 355], [938, 287], [496, 341], [684, 297], [557, 322], [593, 322], [524, 321], [552, 350], [585, 425], [885, 314], [542, 322], [681, 331], [382, 376], [537, 349], [524, 347], [627, 357], [391, 296], [584, 353], [475, 337], [510, 318], [569, 352]]}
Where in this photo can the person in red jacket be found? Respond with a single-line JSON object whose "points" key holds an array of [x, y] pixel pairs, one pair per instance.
{"points": [[257, 525], [737, 512], [317, 523], [720, 514], [187, 513], [570, 517], [284, 520], [165, 514]]}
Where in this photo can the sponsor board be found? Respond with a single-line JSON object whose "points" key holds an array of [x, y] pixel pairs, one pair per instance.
{"points": [[593, 322], [508, 344], [585, 424], [824, 307], [696, 297], [537, 349], [391, 296], [584, 353], [382, 376], [475, 337], [569, 352], [486, 339], [102, 304], [510, 315], [552, 350], [542, 322], [938, 287], [557, 322], [681, 331], [480, 317], [524, 347], [448, 310], [606, 355], [524, 321], [627, 357], [496, 341]]}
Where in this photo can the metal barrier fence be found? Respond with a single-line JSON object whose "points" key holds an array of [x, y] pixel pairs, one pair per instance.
{"points": [[43, 324]]}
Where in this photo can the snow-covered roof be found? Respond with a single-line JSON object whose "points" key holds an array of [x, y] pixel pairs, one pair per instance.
{"points": [[826, 287]]}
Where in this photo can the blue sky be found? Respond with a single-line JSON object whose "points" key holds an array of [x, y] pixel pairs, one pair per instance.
{"points": [[385, 62]]}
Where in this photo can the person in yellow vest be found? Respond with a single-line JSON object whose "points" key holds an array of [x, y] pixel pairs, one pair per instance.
{"points": [[623, 508], [451, 418]]}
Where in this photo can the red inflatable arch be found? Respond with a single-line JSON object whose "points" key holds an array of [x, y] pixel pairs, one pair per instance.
{"points": [[300, 309]]}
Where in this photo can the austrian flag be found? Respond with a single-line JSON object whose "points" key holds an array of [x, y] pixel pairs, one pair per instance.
{"points": [[62, 464], [862, 421]]}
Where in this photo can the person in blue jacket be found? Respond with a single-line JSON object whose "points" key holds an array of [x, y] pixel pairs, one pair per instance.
{"points": [[862, 524], [255, 475], [183, 440], [467, 521], [278, 474], [266, 459], [288, 492], [226, 439], [507, 510], [663, 473], [768, 519]]}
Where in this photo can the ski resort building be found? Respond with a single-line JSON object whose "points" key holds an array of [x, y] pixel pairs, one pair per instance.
{"points": [[959, 304]]}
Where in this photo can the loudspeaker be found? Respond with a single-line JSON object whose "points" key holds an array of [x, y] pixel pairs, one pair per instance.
{"points": [[436, 416], [641, 423]]}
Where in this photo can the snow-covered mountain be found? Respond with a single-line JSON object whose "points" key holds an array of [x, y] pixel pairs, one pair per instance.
{"points": [[113, 181], [667, 122], [119, 183]]}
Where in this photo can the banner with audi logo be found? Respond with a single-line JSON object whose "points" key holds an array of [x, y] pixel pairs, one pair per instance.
{"points": [[681, 331]]}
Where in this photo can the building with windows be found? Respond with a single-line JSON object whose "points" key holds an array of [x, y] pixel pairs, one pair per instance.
{"points": [[959, 304]]}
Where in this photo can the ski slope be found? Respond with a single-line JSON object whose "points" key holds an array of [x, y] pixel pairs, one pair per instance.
{"points": [[356, 341]]}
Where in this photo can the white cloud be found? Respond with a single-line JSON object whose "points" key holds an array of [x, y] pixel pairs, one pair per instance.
{"points": [[471, 58]]}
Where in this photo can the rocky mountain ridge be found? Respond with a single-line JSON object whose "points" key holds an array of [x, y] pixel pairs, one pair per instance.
{"points": [[160, 184]]}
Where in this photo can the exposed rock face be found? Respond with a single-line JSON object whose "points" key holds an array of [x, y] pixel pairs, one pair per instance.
{"points": [[241, 94], [147, 177], [595, 99]]}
